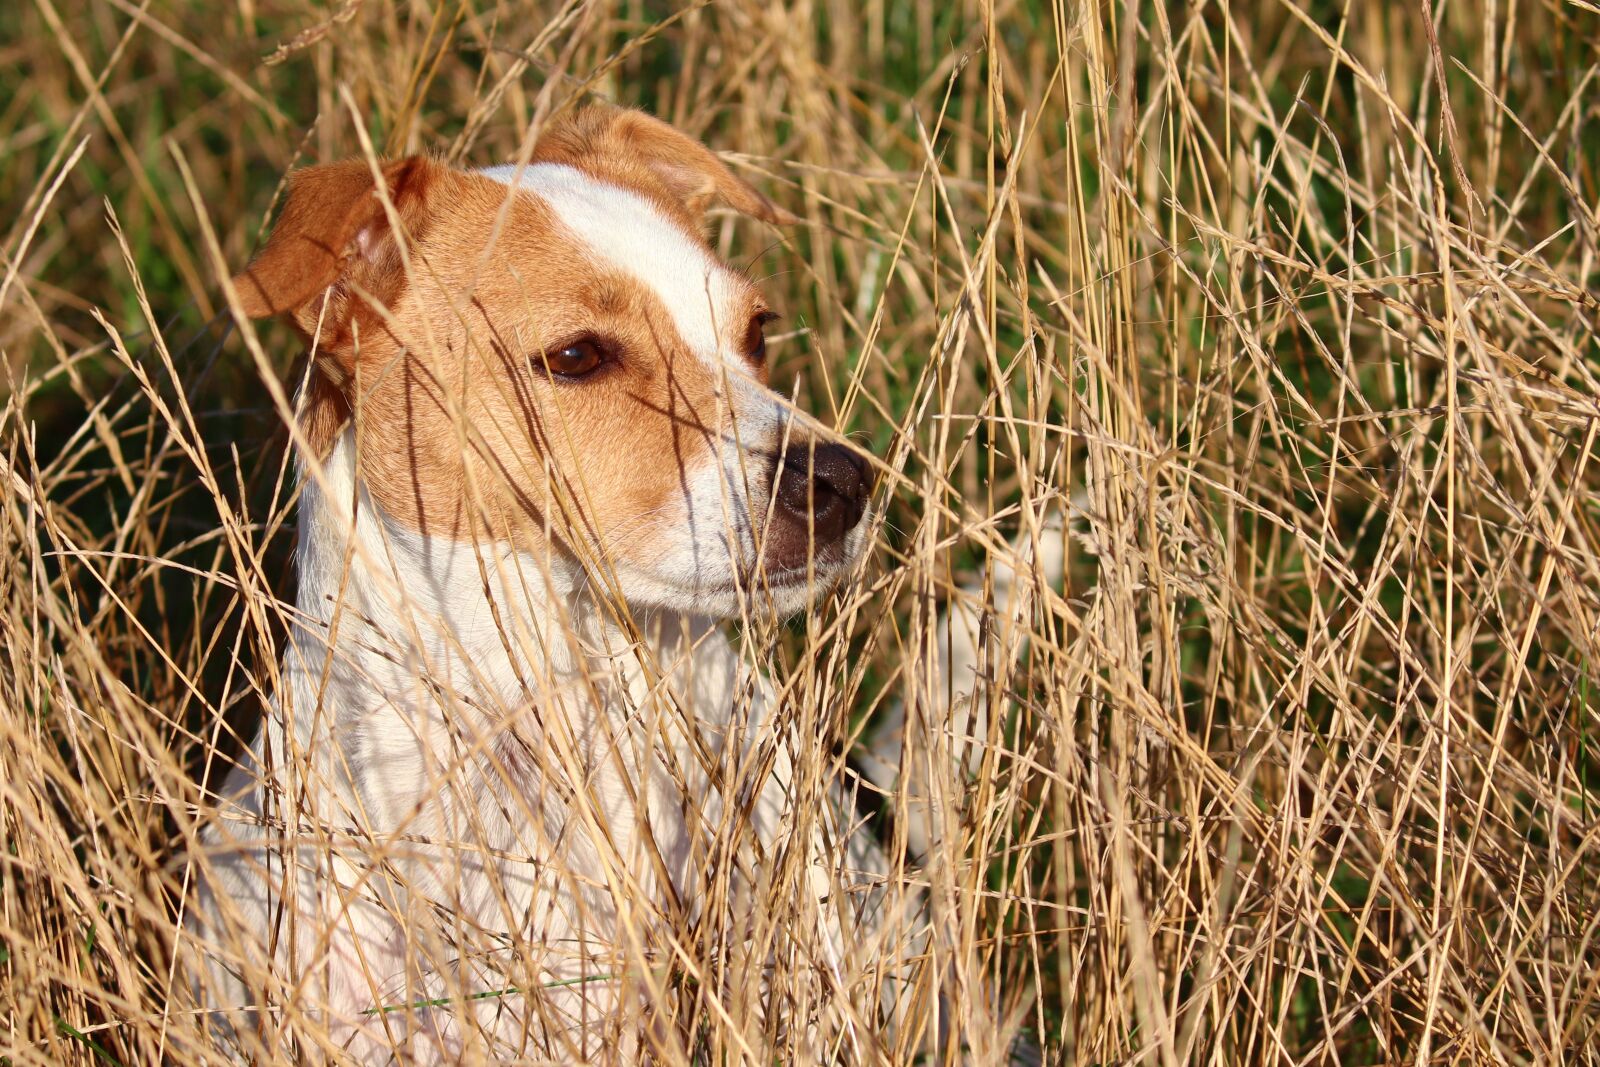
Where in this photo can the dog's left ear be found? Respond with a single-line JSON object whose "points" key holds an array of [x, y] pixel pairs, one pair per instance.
{"points": [[636, 149]]}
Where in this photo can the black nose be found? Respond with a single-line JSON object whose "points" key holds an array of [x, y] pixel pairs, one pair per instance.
{"points": [[823, 488]]}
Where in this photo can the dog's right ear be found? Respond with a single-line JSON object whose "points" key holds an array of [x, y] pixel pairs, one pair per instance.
{"points": [[333, 229], [631, 148]]}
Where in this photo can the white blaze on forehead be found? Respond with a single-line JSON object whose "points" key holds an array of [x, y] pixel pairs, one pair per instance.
{"points": [[627, 232]]}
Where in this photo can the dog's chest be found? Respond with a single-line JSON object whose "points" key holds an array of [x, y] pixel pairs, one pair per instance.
{"points": [[598, 784]]}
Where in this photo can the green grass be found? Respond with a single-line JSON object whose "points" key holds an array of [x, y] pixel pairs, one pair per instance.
{"points": [[1245, 276]]}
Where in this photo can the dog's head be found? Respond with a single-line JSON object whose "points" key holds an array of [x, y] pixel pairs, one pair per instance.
{"points": [[553, 356]]}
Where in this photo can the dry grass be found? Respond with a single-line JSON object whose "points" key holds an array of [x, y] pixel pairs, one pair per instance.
{"points": [[1304, 765]]}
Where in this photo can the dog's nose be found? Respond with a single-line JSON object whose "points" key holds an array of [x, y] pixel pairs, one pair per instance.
{"points": [[830, 497]]}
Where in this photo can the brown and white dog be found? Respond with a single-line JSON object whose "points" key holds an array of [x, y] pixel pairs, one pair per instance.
{"points": [[540, 462], [511, 756]]}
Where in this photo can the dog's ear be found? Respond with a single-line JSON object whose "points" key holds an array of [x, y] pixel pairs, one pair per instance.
{"points": [[332, 225], [636, 149]]}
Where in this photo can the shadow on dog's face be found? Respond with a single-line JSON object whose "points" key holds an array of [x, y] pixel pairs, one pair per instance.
{"points": [[553, 355]]}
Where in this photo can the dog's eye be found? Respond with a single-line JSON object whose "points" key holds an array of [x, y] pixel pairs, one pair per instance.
{"points": [[755, 338], [574, 359]]}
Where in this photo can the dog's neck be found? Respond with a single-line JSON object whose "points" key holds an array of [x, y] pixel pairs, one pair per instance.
{"points": [[410, 617]]}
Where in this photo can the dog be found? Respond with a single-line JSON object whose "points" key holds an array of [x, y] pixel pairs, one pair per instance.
{"points": [[510, 749], [540, 462]]}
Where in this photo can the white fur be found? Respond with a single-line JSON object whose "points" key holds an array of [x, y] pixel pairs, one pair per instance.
{"points": [[379, 745]]}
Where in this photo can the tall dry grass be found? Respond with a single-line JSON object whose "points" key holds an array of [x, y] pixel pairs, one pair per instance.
{"points": [[1299, 298]]}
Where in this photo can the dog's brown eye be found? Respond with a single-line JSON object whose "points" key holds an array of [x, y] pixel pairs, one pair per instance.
{"points": [[573, 360], [755, 338]]}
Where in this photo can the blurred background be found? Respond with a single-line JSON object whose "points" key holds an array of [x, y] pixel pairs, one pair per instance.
{"points": [[1295, 301]]}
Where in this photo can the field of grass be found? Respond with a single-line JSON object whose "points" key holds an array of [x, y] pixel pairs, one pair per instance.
{"points": [[1299, 300]]}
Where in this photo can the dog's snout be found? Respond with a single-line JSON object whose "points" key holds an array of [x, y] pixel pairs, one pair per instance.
{"points": [[823, 488]]}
